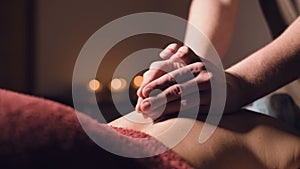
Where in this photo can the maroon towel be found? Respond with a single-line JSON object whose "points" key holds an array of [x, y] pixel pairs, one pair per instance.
{"points": [[39, 133]]}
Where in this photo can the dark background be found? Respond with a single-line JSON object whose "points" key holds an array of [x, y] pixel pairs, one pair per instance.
{"points": [[41, 39]]}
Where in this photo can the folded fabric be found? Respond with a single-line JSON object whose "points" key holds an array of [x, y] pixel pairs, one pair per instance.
{"points": [[38, 133]]}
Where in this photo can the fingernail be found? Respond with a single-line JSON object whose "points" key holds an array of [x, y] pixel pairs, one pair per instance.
{"points": [[165, 54], [146, 105]]}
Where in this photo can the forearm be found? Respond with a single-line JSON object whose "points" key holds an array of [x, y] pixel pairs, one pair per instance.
{"points": [[216, 19], [271, 67]]}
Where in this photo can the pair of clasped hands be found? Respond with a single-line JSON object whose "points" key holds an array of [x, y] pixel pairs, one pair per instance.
{"points": [[178, 62]]}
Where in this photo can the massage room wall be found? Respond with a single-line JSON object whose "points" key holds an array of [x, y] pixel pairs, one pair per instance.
{"points": [[63, 26], [15, 45]]}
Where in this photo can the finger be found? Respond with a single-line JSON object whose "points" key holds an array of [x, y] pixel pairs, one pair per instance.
{"points": [[172, 94], [160, 83], [185, 55], [157, 69], [183, 50], [152, 74], [148, 77], [176, 107], [169, 51], [180, 75], [138, 105], [200, 83]]}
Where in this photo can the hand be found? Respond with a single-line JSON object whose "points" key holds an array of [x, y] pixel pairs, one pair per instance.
{"points": [[175, 57], [180, 81]]}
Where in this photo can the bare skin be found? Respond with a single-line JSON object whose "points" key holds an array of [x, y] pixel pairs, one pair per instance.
{"points": [[246, 140], [216, 19], [262, 72]]}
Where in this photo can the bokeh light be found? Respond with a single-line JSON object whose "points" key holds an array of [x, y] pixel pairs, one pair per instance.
{"points": [[118, 84], [137, 81], [94, 85]]}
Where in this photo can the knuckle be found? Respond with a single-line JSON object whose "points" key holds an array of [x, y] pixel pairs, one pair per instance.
{"points": [[197, 67], [181, 54], [175, 90], [171, 78], [178, 65], [206, 75]]}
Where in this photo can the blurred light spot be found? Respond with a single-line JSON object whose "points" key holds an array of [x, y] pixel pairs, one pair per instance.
{"points": [[137, 81], [94, 85], [118, 84]]}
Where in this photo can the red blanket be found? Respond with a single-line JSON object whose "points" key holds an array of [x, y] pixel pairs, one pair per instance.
{"points": [[38, 133]]}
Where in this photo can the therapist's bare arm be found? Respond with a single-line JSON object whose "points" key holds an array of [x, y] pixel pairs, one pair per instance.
{"points": [[216, 19], [269, 68], [262, 72]]}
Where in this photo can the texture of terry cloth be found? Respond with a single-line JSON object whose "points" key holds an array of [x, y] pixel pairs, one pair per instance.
{"points": [[38, 133]]}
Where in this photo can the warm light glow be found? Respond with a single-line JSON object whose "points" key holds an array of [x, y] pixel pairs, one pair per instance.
{"points": [[95, 85], [137, 81], [118, 84]]}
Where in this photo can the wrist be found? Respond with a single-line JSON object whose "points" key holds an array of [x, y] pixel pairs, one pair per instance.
{"points": [[238, 92]]}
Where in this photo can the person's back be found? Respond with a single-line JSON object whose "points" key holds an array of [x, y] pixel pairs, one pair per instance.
{"points": [[244, 139]]}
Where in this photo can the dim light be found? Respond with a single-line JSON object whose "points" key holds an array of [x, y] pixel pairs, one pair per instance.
{"points": [[94, 85], [118, 84], [137, 81]]}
